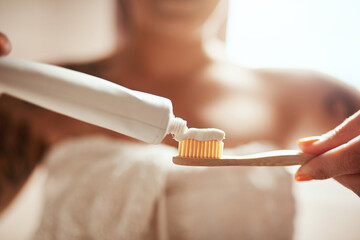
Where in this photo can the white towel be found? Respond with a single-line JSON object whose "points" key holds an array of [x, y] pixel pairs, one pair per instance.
{"points": [[99, 188]]}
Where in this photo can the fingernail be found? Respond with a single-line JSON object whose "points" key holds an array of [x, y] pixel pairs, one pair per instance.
{"points": [[308, 140], [300, 177]]}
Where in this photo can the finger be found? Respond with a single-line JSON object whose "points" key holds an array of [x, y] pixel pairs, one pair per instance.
{"points": [[346, 131], [341, 160], [351, 181], [5, 46]]}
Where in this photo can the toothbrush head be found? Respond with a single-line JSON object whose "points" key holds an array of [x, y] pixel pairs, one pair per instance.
{"points": [[200, 143], [192, 148]]}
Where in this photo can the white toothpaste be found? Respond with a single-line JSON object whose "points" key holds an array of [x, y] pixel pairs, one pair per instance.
{"points": [[205, 134]]}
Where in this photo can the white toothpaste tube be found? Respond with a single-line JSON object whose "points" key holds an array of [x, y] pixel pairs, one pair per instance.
{"points": [[143, 116], [140, 115]]}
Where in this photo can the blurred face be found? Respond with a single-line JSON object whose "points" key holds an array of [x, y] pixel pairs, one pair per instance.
{"points": [[169, 17]]}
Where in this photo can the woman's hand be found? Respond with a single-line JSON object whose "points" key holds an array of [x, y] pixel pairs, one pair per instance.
{"points": [[5, 46], [339, 155]]}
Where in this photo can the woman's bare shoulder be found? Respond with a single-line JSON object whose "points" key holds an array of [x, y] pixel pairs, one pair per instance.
{"points": [[333, 92], [305, 78], [307, 86]]}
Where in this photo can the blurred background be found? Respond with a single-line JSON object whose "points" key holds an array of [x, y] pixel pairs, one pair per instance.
{"points": [[59, 31], [322, 35]]}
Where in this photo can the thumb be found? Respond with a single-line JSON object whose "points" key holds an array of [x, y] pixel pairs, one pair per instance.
{"points": [[343, 133]]}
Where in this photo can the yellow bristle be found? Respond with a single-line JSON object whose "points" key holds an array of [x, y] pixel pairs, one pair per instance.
{"points": [[200, 149]]}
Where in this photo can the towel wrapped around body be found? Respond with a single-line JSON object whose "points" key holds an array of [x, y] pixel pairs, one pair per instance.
{"points": [[100, 188]]}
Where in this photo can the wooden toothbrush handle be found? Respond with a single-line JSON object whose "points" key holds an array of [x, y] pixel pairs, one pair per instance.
{"points": [[273, 158]]}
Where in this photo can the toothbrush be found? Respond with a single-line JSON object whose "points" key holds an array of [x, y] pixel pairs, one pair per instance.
{"points": [[202, 147], [143, 116]]}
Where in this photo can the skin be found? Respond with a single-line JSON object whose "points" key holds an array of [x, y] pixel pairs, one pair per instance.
{"points": [[164, 52], [5, 46], [339, 155]]}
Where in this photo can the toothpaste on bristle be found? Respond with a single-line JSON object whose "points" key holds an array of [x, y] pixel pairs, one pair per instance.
{"points": [[178, 128], [200, 134]]}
